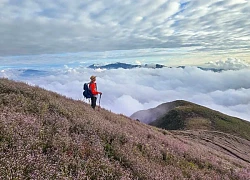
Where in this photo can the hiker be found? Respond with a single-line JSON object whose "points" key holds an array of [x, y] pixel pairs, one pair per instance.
{"points": [[93, 89]]}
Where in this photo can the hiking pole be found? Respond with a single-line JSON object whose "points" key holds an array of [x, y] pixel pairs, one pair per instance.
{"points": [[100, 102]]}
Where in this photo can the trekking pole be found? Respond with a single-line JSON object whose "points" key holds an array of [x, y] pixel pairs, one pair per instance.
{"points": [[100, 102]]}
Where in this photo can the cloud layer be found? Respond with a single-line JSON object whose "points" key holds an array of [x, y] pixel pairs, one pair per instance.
{"points": [[127, 91], [230, 63], [42, 27]]}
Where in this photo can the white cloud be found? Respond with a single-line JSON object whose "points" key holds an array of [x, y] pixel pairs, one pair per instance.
{"points": [[127, 91], [127, 103], [41, 27], [230, 63]]}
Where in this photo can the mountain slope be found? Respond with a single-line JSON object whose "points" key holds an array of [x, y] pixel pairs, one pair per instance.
{"points": [[152, 114], [44, 135], [183, 115]]}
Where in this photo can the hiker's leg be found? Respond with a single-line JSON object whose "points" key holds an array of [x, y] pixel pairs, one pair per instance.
{"points": [[93, 102]]}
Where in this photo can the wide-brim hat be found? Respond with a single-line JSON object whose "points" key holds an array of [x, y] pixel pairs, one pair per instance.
{"points": [[92, 77]]}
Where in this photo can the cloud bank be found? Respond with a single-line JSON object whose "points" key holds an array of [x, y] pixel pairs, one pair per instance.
{"points": [[126, 91], [43, 27], [230, 63]]}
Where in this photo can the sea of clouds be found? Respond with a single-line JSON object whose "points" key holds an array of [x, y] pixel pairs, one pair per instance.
{"points": [[126, 91]]}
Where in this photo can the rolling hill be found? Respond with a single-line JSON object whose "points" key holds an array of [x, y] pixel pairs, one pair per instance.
{"points": [[44, 135], [183, 115]]}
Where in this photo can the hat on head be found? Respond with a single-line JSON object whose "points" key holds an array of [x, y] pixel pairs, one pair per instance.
{"points": [[93, 77]]}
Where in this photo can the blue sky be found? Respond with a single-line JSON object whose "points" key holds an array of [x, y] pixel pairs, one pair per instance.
{"points": [[206, 30]]}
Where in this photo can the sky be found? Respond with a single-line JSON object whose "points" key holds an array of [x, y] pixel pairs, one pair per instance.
{"points": [[208, 29], [51, 44]]}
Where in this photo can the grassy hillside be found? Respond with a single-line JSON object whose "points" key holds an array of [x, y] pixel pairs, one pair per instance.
{"points": [[44, 135], [188, 115]]}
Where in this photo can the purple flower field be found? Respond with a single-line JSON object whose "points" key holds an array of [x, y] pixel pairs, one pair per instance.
{"points": [[44, 135]]}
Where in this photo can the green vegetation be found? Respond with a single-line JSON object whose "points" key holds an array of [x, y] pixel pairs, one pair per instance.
{"points": [[192, 116]]}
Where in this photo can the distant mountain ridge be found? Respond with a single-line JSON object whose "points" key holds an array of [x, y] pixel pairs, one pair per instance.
{"points": [[118, 65], [27, 72], [204, 68], [184, 115], [32, 72]]}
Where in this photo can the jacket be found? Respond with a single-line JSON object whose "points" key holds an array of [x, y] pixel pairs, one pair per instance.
{"points": [[93, 89]]}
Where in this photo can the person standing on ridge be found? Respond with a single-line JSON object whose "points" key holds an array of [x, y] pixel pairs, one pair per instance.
{"points": [[93, 89]]}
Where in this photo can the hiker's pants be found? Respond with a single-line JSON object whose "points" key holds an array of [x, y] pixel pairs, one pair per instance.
{"points": [[93, 102]]}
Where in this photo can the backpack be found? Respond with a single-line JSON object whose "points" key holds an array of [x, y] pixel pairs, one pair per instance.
{"points": [[86, 91]]}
